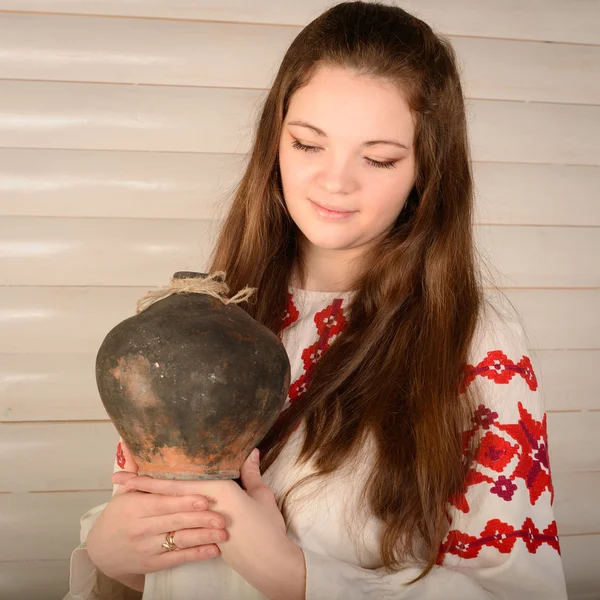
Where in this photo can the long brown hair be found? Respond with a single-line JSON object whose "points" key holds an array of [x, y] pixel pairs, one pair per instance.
{"points": [[394, 373]]}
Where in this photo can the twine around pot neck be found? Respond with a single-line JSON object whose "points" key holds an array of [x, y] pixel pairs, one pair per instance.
{"points": [[213, 285]]}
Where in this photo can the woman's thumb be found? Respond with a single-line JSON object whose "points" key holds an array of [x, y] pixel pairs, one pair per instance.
{"points": [[119, 480]]}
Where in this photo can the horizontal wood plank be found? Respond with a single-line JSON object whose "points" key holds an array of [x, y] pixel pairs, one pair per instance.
{"points": [[530, 71], [142, 51], [62, 320], [574, 511], [80, 456], [45, 526], [554, 20], [57, 456], [34, 580], [568, 378], [75, 320], [40, 387], [218, 120], [145, 252], [534, 132], [122, 252], [62, 387], [164, 185], [540, 256], [574, 443], [49, 387], [580, 560], [40, 580], [559, 319], [91, 183], [125, 117], [528, 194]]}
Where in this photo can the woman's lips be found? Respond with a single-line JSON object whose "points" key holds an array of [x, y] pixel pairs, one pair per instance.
{"points": [[331, 215]]}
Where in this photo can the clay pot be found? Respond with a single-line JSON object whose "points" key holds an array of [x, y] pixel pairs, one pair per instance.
{"points": [[192, 385]]}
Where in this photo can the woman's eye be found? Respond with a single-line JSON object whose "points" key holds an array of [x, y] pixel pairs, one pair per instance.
{"points": [[382, 164], [298, 145], [375, 163]]}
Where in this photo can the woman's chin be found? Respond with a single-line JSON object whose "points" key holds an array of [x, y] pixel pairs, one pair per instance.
{"points": [[327, 242]]}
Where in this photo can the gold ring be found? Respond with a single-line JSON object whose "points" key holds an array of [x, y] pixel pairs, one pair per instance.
{"points": [[170, 543]]}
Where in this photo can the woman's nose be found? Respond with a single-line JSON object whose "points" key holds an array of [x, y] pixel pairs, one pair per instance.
{"points": [[337, 176]]}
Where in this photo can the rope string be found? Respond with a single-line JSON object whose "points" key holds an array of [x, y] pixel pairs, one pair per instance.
{"points": [[213, 285]]}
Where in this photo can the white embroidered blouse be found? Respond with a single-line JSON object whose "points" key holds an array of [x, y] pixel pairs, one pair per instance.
{"points": [[502, 541]]}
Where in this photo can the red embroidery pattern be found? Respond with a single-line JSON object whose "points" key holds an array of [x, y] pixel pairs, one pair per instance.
{"points": [[534, 465], [500, 444], [495, 452], [330, 323], [501, 536], [500, 369], [497, 447], [291, 314], [120, 456], [473, 477]]}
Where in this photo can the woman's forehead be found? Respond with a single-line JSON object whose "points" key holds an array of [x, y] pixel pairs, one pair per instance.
{"points": [[342, 103]]}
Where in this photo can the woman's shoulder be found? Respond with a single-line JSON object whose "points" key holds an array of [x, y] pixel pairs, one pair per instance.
{"points": [[500, 326], [500, 363]]}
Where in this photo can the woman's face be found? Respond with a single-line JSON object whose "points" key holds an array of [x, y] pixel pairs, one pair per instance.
{"points": [[346, 145]]}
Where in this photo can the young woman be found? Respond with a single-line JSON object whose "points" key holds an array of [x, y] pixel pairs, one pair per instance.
{"points": [[411, 459]]}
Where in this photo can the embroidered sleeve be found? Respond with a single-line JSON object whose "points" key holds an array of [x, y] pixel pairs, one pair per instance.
{"points": [[502, 540], [502, 526]]}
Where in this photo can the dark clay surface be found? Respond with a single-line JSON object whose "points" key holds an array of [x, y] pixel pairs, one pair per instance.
{"points": [[192, 385]]}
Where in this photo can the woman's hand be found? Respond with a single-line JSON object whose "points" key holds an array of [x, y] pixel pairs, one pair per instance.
{"points": [[127, 537], [258, 547]]}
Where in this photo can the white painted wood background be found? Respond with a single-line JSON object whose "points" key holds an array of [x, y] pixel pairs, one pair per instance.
{"points": [[123, 127]]}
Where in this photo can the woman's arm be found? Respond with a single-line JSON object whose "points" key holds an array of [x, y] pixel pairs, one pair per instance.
{"points": [[503, 542], [86, 582], [82, 575], [257, 547]]}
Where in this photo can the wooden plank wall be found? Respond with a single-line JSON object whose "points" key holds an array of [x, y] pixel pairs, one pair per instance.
{"points": [[123, 128]]}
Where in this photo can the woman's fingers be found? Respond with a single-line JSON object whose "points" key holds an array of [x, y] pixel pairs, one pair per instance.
{"points": [[122, 477], [174, 558], [170, 487], [189, 538], [158, 505], [182, 521]]}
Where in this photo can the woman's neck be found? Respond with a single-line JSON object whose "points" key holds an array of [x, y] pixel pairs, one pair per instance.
{"points": [[328, 270]]}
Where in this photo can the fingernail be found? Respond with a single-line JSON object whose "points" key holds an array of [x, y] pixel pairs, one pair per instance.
{"points": [[212, 552], [200, 504], [214, 523], [255, 454]]}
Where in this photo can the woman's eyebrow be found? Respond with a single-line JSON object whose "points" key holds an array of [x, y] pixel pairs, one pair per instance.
{"points": [[321, 133]]}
